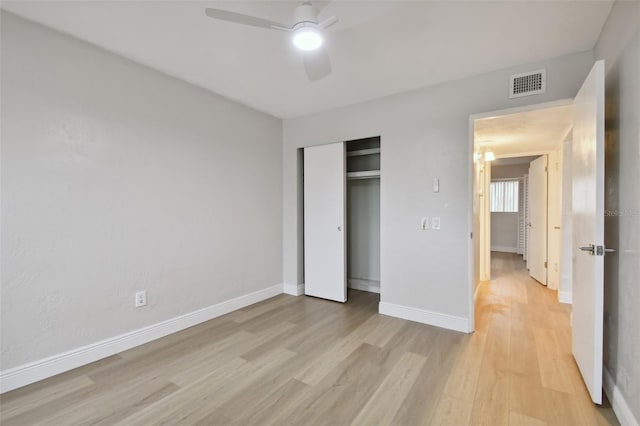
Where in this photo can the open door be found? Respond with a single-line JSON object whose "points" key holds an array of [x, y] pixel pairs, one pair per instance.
{"points": [[537, 237], [588, 229], [324, 218]]}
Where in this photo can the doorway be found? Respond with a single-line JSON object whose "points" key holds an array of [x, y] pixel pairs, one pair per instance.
{"points": [[512, 214], [518, 173], [587, 139]]}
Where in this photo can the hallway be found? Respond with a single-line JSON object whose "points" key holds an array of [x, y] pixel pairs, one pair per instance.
{"points": [[526, 373]]}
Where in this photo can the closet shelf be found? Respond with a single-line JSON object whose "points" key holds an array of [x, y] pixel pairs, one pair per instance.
{"points": [[363, 175], [360, 152]]}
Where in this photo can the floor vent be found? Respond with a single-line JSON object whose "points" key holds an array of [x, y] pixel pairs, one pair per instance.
{"points": [[528, 83]]}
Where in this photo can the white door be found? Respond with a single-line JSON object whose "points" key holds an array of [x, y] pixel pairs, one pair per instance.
{"points": [[324, 219], [537, 235], [588, 229]]}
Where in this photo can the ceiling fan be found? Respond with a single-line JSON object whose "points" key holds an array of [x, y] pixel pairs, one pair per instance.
{"points": [[307, 34]]}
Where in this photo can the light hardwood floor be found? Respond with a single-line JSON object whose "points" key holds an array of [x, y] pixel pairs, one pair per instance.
{"points": [[300, 360]]}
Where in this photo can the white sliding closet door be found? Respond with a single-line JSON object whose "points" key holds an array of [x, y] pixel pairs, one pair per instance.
{"points": [[324, 221]]}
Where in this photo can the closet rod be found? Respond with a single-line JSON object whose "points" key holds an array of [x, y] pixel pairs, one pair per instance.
{"points": [[369, 151], [369, 174]]}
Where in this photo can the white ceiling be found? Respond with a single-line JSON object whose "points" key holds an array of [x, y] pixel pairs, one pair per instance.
{"points": [[524, 132], [378, 48]]}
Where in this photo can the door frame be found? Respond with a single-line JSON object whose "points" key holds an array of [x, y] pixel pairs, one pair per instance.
{"points": [[471, 293]]}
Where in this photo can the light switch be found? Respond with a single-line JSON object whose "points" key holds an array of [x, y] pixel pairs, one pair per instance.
{"points": [[424, 223], [435, 223], [436, 185]]}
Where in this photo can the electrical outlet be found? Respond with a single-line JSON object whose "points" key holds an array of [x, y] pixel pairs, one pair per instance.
{"points": [[141, 298], [435, 223]]}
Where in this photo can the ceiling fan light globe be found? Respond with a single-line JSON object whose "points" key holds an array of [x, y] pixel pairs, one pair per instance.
{"points": [[307, 38]]}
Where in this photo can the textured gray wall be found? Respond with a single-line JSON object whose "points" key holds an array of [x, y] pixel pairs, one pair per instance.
{"points": [[117, 178], [619, 45], [363, 226]]}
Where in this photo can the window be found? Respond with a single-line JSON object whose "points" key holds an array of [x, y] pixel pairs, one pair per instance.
{"points": [[504, 196]]}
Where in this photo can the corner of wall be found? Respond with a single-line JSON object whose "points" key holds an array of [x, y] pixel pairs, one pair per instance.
{"points": [[292, 289]]}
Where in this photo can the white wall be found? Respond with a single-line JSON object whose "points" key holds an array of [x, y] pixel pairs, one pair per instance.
{"points": [[509, 171], [504, 232], [476, 224], [565, 291], [425, 134], [117, 178], [619, 45], [363, 227]]}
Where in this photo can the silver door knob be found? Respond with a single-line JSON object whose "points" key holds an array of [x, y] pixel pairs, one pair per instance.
{"points": [[590, 248], [602, 250], [339, 228]]}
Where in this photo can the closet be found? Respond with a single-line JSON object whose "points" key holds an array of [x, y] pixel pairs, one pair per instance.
{"points": [[363, 214], [342, 218]]}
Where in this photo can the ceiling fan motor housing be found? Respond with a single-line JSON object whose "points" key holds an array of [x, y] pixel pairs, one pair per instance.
{"points": [[306, 12]]}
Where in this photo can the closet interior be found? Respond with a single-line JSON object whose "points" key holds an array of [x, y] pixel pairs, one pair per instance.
{"points": [[363, 214]]}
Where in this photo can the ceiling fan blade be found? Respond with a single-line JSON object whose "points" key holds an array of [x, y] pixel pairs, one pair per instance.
{"points": [[328, 14], [240, 18], [328, 22], [317, 64]]}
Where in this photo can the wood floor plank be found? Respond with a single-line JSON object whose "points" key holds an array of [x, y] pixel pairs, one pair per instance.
{"points": [[193, 366], [262, 412], [463, 380], [96, 406], [42, 396], [452, 411], [340, 395], [564, 409], [553, 371], [421, 403], [385, 402], [335, 354], [195, 402], [384, 332], [517, 419]]}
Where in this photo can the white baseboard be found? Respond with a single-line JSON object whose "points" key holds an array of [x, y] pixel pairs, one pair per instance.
{"points": [[618, 403], [38, 370], [426, 317], [364, 285], [293, 290], [504, 249], [565, 297]]}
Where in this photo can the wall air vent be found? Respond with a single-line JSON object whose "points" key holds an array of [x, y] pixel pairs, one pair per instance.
{"points": [[528, 83]]}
